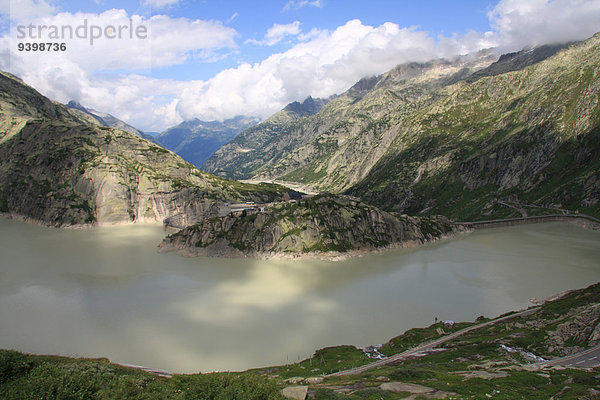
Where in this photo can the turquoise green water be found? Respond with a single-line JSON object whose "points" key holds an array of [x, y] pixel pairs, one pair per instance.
{"points": [[107, 292]]}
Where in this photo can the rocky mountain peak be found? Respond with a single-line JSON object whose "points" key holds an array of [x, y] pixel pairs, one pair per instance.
{"points": [[106, 119], [309, 106], [362, 87], [518, 60], [76, 105]]}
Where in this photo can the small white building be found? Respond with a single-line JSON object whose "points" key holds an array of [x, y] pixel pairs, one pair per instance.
{"points": [[237, 208]]}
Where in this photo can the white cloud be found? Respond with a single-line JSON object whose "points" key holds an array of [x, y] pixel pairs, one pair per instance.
{"points": [[18, 10], [80, 73], [233, 17], [176, 38], [298, 4], [534, 22], [278, 32], [322, 63], [146, 103], [114, 40], [471, 42], [327, 64], [160, 4]]}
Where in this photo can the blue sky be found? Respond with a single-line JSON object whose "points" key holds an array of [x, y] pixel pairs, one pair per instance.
{"points": [[212, 59], [252, 19]]}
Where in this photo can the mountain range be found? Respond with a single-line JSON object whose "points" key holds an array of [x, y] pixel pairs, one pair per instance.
{"points": [[195, 140], [475, 138], [445, 137], [288, 141]]}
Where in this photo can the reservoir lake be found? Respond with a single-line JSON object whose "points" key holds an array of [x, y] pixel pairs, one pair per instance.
{"points": [[106, 292]]}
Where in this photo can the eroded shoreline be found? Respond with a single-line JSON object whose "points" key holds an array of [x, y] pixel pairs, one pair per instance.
{"points": [[321, 256], [228, 252]]}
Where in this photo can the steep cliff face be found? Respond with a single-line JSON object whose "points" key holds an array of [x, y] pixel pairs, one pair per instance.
{"points": [[325, 223], [57, 168]]}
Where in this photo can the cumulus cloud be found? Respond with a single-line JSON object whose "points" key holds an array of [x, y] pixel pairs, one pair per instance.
{"points": [[144, 102], [114, 40], [277, 33], [83, 71], [160, 4], [23, 9], [522, 23], [298, 4], [321, 63], [327, 64]]}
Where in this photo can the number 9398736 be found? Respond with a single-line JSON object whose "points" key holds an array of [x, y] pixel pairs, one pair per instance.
{"points": [[43, 46]]}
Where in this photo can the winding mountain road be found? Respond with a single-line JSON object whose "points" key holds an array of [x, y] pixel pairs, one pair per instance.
{"points": [[429, 346], [589, 358]]}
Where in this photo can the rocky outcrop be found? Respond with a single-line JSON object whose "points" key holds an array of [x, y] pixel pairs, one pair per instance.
{"points": [[60, 169], [309, 106], [295, 392], [323, 224], [582, 330]]}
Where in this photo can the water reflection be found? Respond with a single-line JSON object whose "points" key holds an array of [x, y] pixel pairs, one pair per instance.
{"points": [[267, 287], [106, 292]]}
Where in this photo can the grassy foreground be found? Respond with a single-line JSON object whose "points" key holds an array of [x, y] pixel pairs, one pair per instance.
{"points": [[472, 366], [48, 377]]}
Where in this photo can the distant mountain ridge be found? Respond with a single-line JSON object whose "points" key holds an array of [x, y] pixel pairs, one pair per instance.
{"points": [[517, 61], [195, 140], [108, 120]]}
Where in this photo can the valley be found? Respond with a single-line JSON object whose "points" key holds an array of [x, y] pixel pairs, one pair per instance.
{"points": [[444, 137], [458, 139], [410, 184]]}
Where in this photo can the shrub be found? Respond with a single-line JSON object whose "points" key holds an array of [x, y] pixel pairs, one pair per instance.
{"points": [[13, 364]]}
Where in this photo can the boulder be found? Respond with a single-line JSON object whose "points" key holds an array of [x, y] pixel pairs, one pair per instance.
{"points": [[295, 392]]}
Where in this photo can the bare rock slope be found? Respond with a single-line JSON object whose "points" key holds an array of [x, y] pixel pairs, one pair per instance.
{"points": [[324, 224], [60, 169]]}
